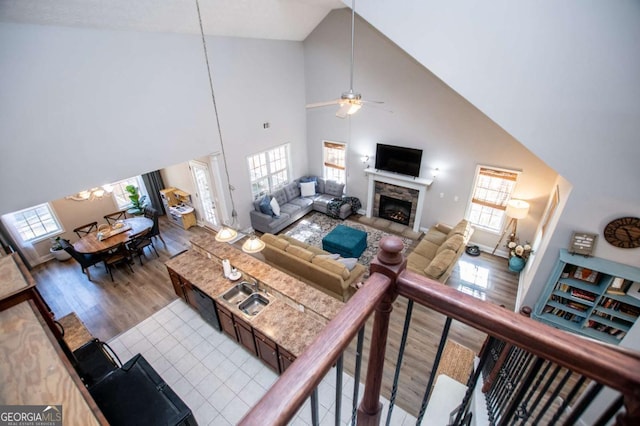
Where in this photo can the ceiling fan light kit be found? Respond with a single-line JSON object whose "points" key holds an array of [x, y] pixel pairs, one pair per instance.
{"points": [[350, 102]]}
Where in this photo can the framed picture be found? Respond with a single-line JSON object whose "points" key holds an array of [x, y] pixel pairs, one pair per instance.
{"points": [[582, 243], [634, 290], [619, 286], [585, 274]]}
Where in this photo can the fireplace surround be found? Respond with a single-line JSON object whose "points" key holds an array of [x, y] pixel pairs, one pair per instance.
{"points": [[397, 186]]}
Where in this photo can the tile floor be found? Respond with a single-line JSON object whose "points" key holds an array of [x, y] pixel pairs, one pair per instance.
{"points": [[216, 377]]}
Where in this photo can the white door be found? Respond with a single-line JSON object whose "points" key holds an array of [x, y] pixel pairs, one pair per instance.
{"points": [[205, 200]]}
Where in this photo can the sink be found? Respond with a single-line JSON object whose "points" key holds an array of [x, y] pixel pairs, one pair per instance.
{"points": [[253, 304], [238, 293]]}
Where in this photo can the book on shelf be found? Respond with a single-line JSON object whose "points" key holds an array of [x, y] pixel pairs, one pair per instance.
{"points": [[610, 303], [582, 294], [586, 274], [633, 311], [577, 306]]}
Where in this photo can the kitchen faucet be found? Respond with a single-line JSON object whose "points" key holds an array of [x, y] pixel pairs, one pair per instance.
{"points": [[254, 284]]}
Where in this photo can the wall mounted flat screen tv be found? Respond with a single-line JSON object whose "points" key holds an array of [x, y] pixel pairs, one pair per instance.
{"points": [[398, 159]]}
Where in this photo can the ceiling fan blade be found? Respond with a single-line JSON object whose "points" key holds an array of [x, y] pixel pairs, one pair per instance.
{"points": [[322, 104], [377, 105], [371, 102]]}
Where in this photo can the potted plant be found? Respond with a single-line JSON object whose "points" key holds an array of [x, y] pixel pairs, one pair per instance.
{"points": [[57, 251], [138, 202], [518, 255]]}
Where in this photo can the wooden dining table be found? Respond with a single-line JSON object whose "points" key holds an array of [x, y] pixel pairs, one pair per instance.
{"points": [[90, 243]]}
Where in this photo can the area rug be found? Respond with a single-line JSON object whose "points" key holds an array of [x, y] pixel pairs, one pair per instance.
{"points": [[312, 228]]}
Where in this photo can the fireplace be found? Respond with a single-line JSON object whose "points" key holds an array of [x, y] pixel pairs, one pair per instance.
{"points": [[395, 209]]}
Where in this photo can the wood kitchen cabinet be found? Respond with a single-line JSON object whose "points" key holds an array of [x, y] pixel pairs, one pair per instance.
{"points": [[226, 322], [181, 286], [286, 358], [245, 334], [267, 350]]}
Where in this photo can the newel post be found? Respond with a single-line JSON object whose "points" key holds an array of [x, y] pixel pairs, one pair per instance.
{"points": [[390, 262]]}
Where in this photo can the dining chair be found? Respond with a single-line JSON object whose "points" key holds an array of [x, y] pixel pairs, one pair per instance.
{"points": [[112, 218], [83, 230], [139, 242], [117, 256], [151, 213], [84, 259]]}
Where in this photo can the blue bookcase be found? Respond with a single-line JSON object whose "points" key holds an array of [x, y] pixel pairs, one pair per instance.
{"points": [[591, 296]]}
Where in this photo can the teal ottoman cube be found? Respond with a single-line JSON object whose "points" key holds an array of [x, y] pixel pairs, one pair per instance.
{"points": [[345, 241]]}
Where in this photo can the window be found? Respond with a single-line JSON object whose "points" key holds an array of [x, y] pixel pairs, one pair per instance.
{"points": [[36, 223], [269, 170], [335, 161], [492, 190], [121, 195]]}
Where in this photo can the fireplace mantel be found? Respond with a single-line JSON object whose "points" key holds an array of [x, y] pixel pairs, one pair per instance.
{"points": [[420, 184]]}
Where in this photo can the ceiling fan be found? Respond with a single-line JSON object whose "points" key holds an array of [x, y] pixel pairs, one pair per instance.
{"points": [[350, 102]]}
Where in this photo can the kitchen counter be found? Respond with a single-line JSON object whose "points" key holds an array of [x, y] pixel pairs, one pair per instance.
{"points": [[288, 319], [282, 283], [34, 370]]}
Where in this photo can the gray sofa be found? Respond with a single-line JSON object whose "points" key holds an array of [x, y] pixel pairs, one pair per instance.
{"points": [[293, 206]]}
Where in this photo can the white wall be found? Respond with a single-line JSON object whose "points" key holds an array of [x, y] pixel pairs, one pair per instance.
{"points": [[427, 114], [83, 107], [562, 77]]}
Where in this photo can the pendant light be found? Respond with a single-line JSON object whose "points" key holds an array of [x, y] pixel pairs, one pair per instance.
{"points": [[226, 233], [253, 244]]}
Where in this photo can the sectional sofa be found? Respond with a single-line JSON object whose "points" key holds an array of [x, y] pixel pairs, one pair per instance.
{"points": [[293, 204]]}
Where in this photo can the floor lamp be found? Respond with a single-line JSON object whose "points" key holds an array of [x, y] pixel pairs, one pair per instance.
{"points": [[516, 209]]}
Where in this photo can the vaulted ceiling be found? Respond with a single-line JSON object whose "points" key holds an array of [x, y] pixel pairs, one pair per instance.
{"points": [[267, 19]]}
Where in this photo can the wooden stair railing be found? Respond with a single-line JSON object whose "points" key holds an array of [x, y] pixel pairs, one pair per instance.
{"points": [[611, 366]]}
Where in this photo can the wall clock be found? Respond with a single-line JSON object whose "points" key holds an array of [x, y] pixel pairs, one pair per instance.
{"points": [[623, 232]]}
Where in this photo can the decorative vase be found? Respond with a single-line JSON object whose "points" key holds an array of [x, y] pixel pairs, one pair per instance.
{"points": [[516, 264]]}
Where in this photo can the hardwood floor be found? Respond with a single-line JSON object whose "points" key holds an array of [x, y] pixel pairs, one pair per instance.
{"points": [[110, 308]]}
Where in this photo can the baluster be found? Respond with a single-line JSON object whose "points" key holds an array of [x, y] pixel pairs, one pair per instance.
{"points": [[356, 376], [396, 376], [553, 395], [436, 364], [572, 394], [315, 420], [390, 263], [523, 387], [339, 368], [532, 391], [584, 402], [471, 385]]}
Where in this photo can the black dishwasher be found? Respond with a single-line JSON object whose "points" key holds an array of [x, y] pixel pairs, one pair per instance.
{"points": [[206, 307]]}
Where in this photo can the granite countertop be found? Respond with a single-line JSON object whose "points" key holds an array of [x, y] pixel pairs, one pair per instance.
{"points": [[299, 292], [289, 327]]}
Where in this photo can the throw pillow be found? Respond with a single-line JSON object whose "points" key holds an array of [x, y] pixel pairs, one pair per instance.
{"points": [[334, 256], [275, 207], [452, 243], [440, 264], [265, 206], [308, 189], [349, 262], [300, 252], [313, 179], [332, 266]]}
